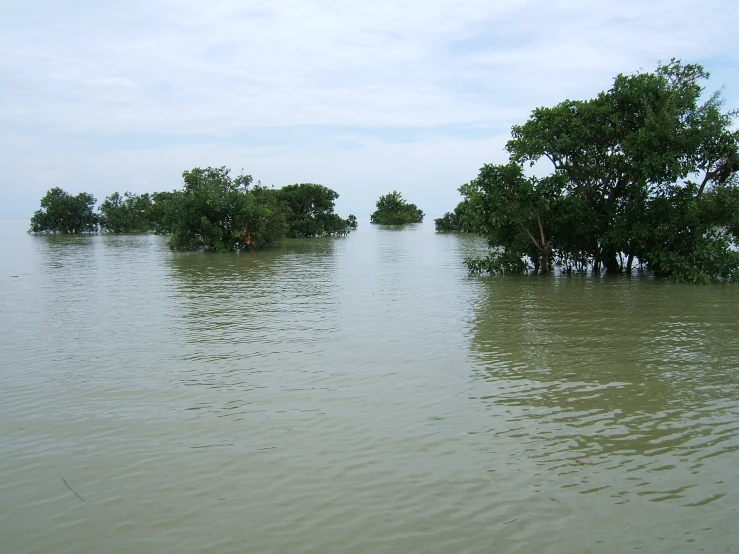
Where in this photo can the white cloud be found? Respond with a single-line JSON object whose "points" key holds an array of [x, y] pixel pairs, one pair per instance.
{"points": [[113, 96]]}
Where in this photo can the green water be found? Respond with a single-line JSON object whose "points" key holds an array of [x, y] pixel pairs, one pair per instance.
{"points": [[357, 395]]}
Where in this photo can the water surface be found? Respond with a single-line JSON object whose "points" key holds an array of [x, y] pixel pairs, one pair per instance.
{"points": [[357, 395]]}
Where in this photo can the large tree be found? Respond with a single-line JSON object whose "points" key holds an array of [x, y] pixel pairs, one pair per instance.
{"points": [[215, 211], [637, 173]]}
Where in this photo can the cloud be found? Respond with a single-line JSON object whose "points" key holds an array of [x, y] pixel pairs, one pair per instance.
{"points": [[365, 97]]}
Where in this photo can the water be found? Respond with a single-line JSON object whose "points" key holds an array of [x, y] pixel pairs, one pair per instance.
{"points": [[357, 395]]}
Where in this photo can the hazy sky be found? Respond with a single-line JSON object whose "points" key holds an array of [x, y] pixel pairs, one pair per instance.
{"points": [[363, 97]]}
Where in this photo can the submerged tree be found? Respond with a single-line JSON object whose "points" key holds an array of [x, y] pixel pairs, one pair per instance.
{"points": [[311, 211], [643, 172], [217, 212], [392, 209], [160, 212], [63, 213], [129, 213]]}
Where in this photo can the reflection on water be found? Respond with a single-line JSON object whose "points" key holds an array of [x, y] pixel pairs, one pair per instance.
{"points": [[359, 394], [627, 389]]}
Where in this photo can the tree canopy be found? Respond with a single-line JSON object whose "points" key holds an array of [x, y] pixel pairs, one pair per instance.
{"points": [[63, 213], [310, 211], [129, 213], [392, 209], [643, 172], [215, 211]]}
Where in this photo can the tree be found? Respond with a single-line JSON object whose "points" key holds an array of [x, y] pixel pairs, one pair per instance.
{"points": [[311, 211], [129, 213], [160, 212], [351, 222], [63, 213], [635, 176], [217, 212], [392, 209]]}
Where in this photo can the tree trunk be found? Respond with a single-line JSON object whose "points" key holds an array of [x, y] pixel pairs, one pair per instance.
{"points": [[629, 263], [611, 262], [545, 260]]}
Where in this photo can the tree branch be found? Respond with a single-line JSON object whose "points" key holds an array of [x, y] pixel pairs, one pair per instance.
{"points": [[531, 236], [541, 230], [709, 175]]}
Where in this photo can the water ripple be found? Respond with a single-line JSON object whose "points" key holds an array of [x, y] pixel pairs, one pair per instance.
{"points": [[360, 394]]}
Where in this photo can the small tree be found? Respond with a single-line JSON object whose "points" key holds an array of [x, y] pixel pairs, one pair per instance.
{"points": [[311, 211], [63, 213], [392, 209], [125, 214], [466, 216]]}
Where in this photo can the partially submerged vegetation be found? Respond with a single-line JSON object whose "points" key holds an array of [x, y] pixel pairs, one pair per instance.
{"points": [[213, 211], [311, 211], [642, 174], [392, 209], [465, 217], [63, 213]]}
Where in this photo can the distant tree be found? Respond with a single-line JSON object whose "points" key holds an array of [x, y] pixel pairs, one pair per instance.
{"points": [[217, 212], [392, 209], [213, 211], [351, 222], [129, 213], [311, 211], [63, 213]]}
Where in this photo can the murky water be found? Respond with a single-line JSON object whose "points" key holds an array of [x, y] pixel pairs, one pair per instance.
{"points": [[357, 395]]}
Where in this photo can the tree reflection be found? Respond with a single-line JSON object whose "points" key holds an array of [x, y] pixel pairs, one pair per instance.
{"points": [[617, 366], [238, 309]]}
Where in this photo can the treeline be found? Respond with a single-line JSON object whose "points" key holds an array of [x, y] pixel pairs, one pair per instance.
{"points": [[213, 211], [644, 174]]}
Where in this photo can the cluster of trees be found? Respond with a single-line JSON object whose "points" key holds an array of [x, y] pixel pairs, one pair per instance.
{"points": [[645, 173], [213, 211], [392, 209]]}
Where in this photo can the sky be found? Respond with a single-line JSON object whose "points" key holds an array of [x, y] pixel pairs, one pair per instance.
{"points": [[362, 97]]}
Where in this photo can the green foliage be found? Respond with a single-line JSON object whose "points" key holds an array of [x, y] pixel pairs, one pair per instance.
{"points": [[129, 213], [465, 217], [160, 214], [644, 172], [497, 262], [311, 211], [217, 212], [392, 209], [710, 257], [63, 213], [213, 211]]}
